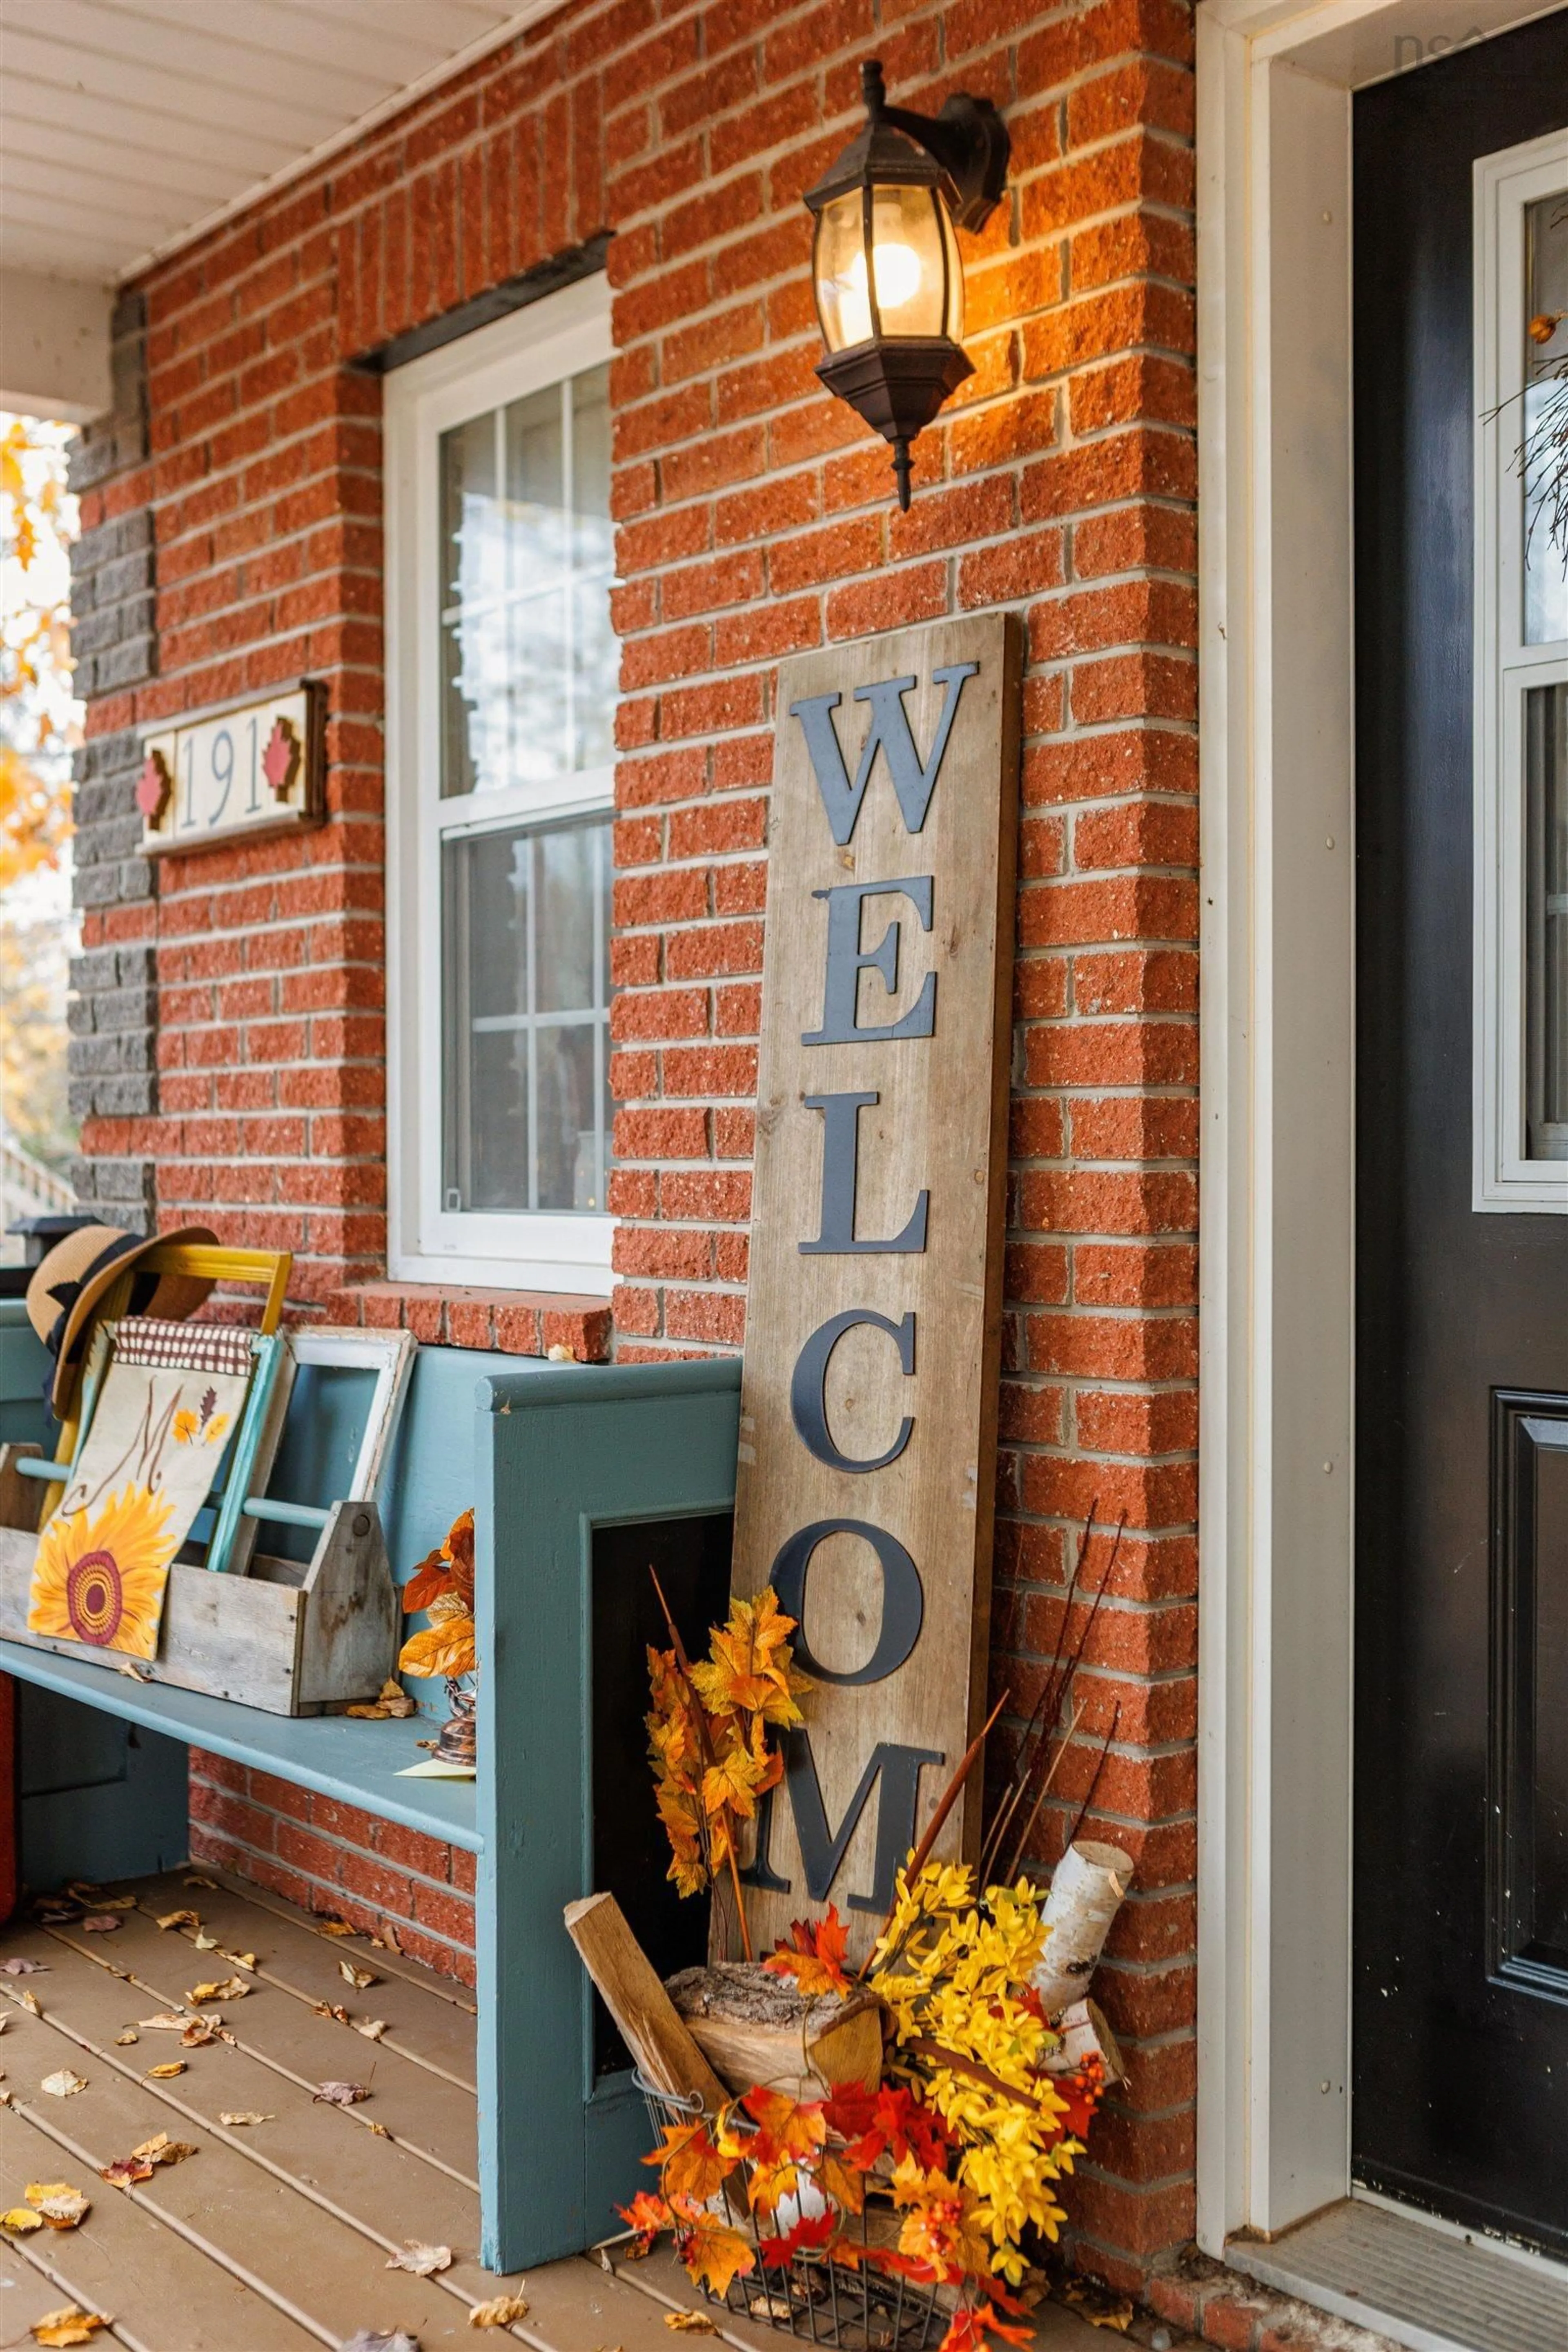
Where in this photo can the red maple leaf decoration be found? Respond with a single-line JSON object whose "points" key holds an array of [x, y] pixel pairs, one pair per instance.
{"points": [[152, 786], [281, 756]]}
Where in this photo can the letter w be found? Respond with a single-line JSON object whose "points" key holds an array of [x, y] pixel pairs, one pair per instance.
{"points": [[913, 784]]}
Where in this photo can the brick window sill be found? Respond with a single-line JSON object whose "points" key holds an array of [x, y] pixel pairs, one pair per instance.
{"points": [[517, 1322]]}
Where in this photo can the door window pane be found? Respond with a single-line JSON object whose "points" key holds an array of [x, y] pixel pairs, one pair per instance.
{"points": [[1545, 419], [1546, 916], [529, 659], [525, 958]]}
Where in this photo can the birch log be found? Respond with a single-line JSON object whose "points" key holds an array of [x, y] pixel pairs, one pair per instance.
{"points": [[1085, 2034], [1086, 1895]]}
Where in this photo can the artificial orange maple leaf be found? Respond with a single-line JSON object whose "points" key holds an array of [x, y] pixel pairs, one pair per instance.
{"points": [[713, 2253], [784, 2127], [689, 2164], [459, 1549], [430, 1580], [975, 2322], [734, 1781], [749, 1670], [1079, 2094], [816, 1957], [812, 2234], [842, 2181], [648, 2215], [940, 2227]]}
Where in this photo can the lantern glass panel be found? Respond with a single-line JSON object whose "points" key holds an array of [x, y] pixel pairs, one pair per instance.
{"points": [[912, 237]]}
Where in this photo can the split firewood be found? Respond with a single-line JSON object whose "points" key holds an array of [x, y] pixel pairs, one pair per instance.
{"points": [[647, 2019], [1086, 1894], [1085, 2034], [756, 2028]]}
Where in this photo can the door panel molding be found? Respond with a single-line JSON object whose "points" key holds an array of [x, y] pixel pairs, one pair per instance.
{"points": [[1527, 1951]]}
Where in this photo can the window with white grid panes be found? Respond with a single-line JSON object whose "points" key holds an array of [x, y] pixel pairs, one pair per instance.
{"points": [[507, 664]]}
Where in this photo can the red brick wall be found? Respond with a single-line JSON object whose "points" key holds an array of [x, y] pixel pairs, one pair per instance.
{"points": [[333, 1859], [756, 519]]}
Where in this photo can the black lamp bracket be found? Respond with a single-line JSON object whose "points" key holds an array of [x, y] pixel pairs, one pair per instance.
{"points": [[968, 139]]}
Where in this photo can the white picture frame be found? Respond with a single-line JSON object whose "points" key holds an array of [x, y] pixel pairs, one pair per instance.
{"points": [[345, 1347]]}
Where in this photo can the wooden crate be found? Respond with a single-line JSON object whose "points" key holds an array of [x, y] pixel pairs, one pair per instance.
{"points": [[290, 1637]]}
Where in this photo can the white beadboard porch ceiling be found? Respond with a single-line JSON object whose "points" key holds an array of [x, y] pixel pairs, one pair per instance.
{"points": [[129, 127]]}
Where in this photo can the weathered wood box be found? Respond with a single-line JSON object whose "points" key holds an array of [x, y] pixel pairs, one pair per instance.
{"points": [[292, 1637]]}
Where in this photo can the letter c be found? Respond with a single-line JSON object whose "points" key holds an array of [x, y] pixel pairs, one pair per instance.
{"points": [[808, 1386]]}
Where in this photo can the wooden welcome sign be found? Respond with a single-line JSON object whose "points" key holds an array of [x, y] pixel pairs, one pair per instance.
{"points": [[868, 1396]]}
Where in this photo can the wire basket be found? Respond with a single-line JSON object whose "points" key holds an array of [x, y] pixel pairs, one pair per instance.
{"points": [[861, 2309]]}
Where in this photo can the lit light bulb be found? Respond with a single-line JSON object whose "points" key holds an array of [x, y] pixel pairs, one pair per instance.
{"points": [[897, 274]]}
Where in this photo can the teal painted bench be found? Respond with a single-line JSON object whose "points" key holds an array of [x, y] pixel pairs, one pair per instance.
{"points": [[582, 1476]]}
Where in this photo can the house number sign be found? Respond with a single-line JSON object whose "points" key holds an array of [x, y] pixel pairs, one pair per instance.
{"points": [[868, 1393], [250, 768]]}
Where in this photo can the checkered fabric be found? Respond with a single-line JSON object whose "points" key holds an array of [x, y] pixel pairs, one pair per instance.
{"points": [[184, 1347]]}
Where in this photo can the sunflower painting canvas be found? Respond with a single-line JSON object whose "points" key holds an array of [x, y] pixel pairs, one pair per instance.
{"points": [[168, 1401]]}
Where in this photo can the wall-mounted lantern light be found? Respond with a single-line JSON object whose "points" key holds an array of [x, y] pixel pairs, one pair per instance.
{"points": [[885, 262]]}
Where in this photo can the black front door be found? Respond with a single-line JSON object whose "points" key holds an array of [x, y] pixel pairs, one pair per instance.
{"points": [[1460, 2097]]}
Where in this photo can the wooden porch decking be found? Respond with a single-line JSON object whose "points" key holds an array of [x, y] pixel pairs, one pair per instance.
{"points": [[275, 2235]]}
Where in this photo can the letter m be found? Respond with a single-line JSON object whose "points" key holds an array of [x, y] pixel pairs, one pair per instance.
{"points": [[822, 1848]]}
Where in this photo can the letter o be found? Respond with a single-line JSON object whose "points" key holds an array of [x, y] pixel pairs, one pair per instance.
{"points": [[903, 1597]]}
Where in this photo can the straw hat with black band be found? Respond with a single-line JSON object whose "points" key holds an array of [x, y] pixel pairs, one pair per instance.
{"points": [[71, 1280]]}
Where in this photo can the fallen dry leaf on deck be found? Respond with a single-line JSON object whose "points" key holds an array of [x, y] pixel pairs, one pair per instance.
{"points": [[162, 2149], [137, 1674], [242, 1959], [690, 2323], [227, 1989], [205, 1943], [61, 2206], [164, 2023], [421, 2259], [196, 1879], [20, 2219], [392, 1699], [179, 1919], [69, 2325], [372, 2028], [342, 2094], [123, 2041], [500, 2312], [166, 2073], [203, 2030], [62, 2085], [358, 1977], [114, 1902], [243, 2115], [100, 1923], [338, 1927], [125, 2170], [21, 1967], [30, 2001], [387, 1940], [1098, 2305], [330, 2009], [365, 2339], [379, 2129]]}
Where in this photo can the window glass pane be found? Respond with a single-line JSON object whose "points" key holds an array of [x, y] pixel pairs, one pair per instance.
{"points": [[529, 659], [1546, 895], [1545, 419], [525, 958]]}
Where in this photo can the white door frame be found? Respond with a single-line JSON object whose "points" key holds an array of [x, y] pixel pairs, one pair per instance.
{"points": [[1278, 960]]}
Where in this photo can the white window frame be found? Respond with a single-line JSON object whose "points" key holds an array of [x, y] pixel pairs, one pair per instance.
{"points": [[1507, 1180], [561, 335]]}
